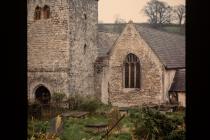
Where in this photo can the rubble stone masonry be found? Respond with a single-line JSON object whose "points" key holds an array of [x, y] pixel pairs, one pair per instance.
{"points": [[62, 48]]}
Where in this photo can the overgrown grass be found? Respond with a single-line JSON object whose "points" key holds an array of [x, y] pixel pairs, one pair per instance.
{"points": [[74, 128], [121, 136], [169, 125], [36, 127]]}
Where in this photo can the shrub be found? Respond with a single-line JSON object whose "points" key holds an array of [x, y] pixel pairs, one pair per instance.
{"points": [[58, 97], [36, 128], [75, 101], [121, 136], [176, 135], [154, 125], [90, 105]]}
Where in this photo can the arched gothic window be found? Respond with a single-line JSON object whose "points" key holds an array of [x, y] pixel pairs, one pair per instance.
{"points": [[37, 14], [131, 71], [46, 12]]}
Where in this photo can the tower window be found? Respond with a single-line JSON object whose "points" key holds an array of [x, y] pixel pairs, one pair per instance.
{"points": [[37, 14], [85, 16], [85, 48], [132, 71], [46, 12]]}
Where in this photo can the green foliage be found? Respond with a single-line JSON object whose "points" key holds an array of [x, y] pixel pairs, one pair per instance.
{"points": [[74, 128], [90, 105], [74, 133], [75, 101], [41, 126], [176, 135], [78, 102], [58, 97], [121, 136], [152, 124], [36, 127]]}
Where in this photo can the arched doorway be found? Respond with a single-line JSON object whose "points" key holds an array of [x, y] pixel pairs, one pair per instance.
{"points": [[42, 94]]}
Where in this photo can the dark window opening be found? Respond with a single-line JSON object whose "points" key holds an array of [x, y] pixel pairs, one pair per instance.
{"points": [[85, 16], [132, 76], [85, 48], [132, 71], [46, 12], [37, 14], [42, 95]]}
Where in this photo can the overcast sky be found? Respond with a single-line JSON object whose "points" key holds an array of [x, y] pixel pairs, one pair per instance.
{"points": [[126, 9]]}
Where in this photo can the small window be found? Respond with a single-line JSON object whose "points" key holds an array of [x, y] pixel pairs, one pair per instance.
{"points": [[85, 48], [46, 12], [85, 16], [37, 14]]}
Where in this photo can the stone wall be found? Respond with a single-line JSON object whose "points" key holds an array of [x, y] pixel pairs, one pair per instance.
{"points": [[101, 80], [53, 81], [151, 71], [83, 42], [56, 54], [48, 47], [168, 80]]}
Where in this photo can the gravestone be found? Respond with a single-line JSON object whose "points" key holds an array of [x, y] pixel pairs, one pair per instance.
{"points": [[56, 125]]}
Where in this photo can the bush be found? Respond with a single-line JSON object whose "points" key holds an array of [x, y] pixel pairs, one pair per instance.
{"points": [[58, 97], [42, 127], [75, 101], [36, 128], [176, 135], [121, 136], [155, 125], [90, 105]]}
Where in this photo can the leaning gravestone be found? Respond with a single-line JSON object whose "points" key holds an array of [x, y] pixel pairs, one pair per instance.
{"points": [[56, 126]]}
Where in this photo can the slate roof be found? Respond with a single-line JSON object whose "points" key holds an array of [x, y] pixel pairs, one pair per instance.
{"points": [[169, 47], [105, 42], [178, 84]]}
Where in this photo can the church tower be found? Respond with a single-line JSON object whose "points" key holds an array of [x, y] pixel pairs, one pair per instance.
{"points": [[62, 46], [83, 42]]}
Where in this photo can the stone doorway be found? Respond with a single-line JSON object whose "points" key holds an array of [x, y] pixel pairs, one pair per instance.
{"points": [[42, 95]]}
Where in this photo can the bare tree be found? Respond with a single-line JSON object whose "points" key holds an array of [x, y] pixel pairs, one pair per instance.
{"points": [[118, 23], [180, 13], [158, 12], [118, 19]]}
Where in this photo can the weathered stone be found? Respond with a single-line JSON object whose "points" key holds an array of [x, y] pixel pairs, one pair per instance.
{"points": [[56, 57], [151, 72], [66, 56]]}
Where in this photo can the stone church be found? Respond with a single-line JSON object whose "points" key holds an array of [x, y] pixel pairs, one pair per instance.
{"points": [[122, 64]]}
